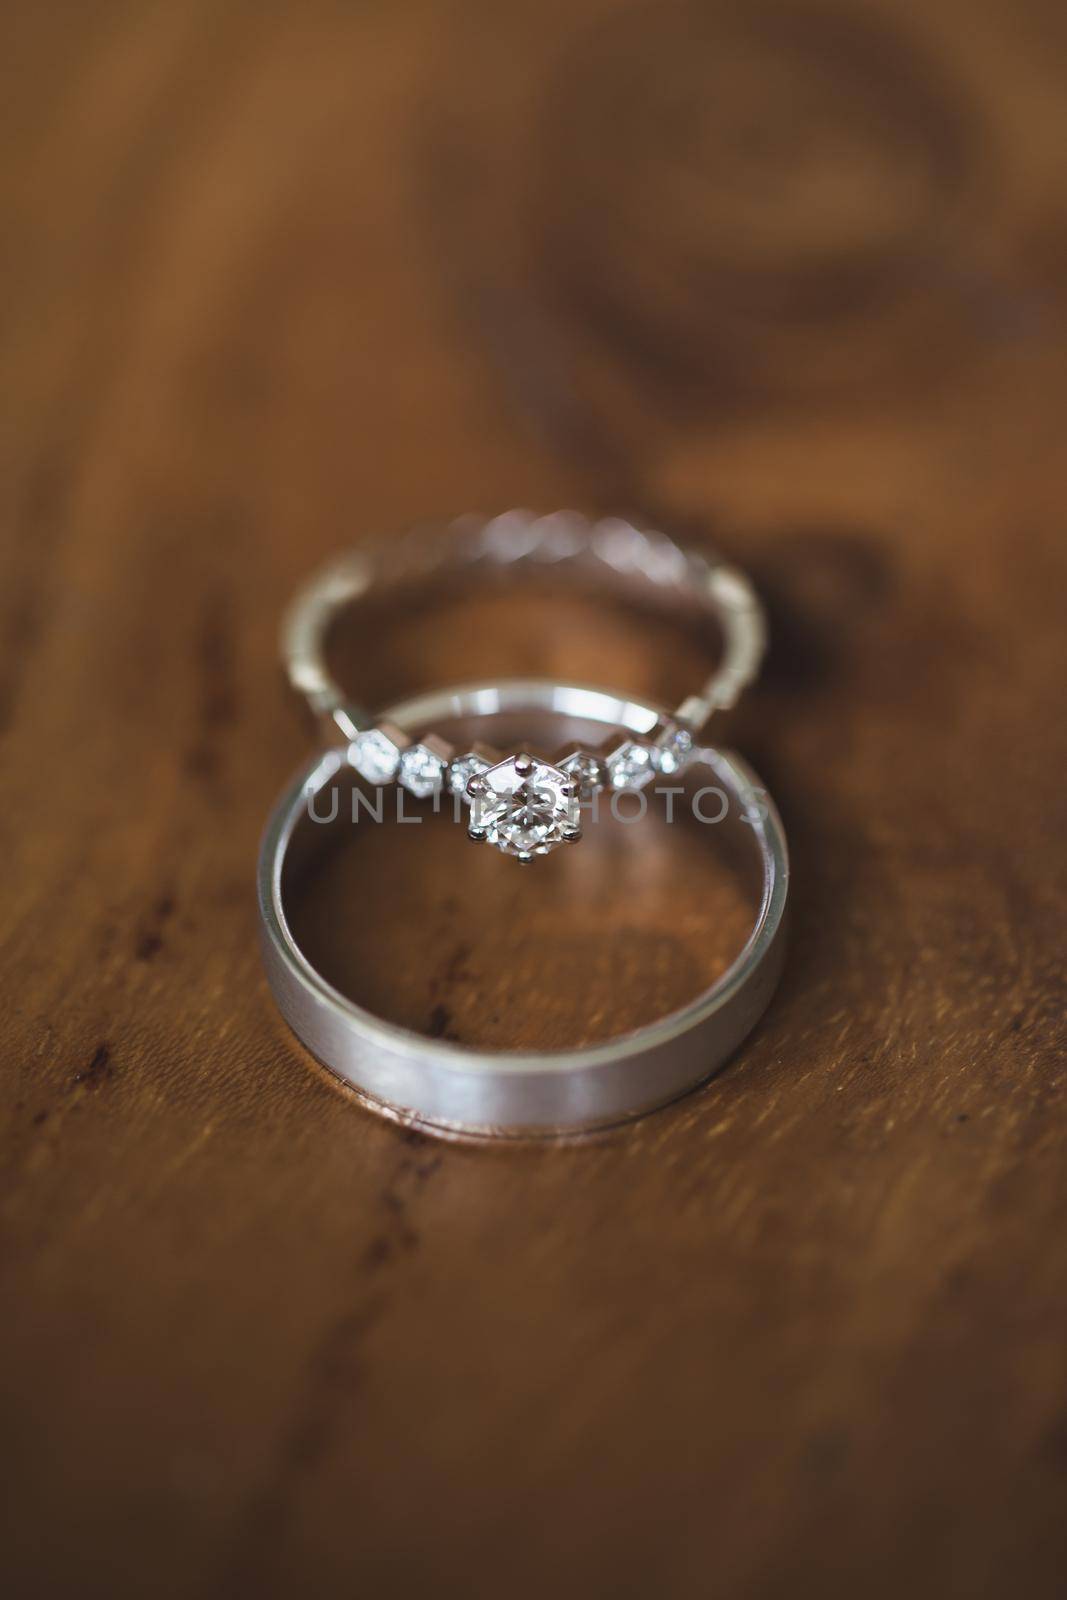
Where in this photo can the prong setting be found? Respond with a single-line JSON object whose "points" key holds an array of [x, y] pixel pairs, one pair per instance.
{"points": [[523, 806]]}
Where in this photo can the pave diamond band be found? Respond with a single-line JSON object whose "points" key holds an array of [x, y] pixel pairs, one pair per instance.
{"points": [[382, 755], [493, 784]]}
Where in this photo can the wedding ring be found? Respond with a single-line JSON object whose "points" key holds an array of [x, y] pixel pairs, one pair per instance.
{"points": [[454, 1087], [523, 805]]}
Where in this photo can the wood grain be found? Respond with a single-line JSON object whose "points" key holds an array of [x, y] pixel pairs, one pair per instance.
{"points": [[791, 277]]}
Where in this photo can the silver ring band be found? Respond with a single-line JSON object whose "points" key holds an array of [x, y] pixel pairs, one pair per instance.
{"points": [[562, 539], [458, 1089]]}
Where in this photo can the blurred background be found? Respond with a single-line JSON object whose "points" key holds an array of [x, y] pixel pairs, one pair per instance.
{"points": [[789, 277]]}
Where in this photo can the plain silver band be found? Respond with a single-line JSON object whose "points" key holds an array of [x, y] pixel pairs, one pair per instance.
{"points": [[640, 555], [457, 1089]]}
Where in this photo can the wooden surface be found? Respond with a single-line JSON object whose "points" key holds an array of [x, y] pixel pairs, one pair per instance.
{"points": [[794, 279]]}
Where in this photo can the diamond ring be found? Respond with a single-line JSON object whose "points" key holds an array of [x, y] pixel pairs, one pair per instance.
{"points": [[453, 1087], [520, 803]]}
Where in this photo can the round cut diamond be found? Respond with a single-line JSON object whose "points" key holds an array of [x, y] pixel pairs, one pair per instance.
{"points": [[463, 769], [374, 755], [422, 771], [630, 766], [526, 808]]}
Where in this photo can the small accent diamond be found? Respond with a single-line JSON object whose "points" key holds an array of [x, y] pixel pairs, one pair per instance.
{"points": [[673, 749], [374, 755], [463, 769], [630, 766], [422, 771], [586, 771]]}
